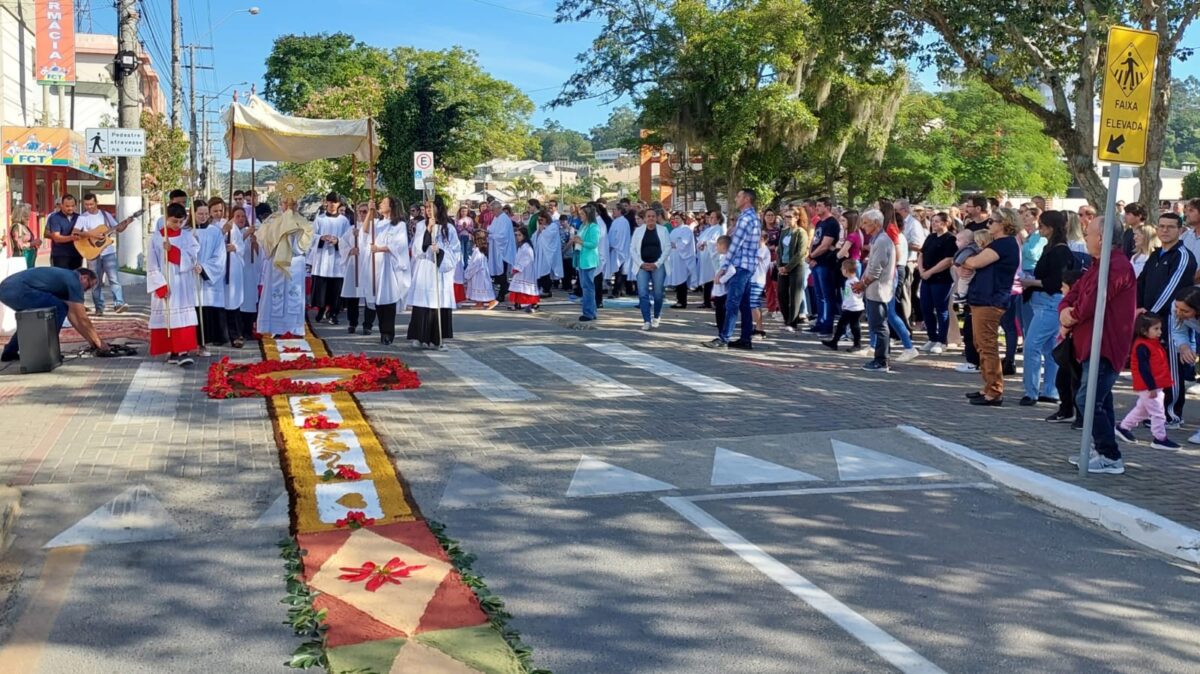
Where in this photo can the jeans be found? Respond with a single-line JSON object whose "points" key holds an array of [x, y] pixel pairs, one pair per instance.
{"points": [[877, 314], [106, 265], [644, 280], [587, 284], [737, 304], [935, 309], [1104, 439], [22, 298], [1041, 334], [898, 325], [823, 290], [985, 323]]}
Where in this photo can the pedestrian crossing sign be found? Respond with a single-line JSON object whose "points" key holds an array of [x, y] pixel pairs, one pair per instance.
{"points": [[1125, 102]]}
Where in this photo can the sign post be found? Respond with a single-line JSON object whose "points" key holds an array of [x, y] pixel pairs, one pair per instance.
{"points": [[115, 142], [1124, 118], [422, 169]]}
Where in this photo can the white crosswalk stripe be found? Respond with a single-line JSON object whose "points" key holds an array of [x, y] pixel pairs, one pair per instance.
{"points": [[594, 383], [655, 365], [481, 377], [152, 394]]}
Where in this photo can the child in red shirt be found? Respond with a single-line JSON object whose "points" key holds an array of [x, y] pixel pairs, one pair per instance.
{"points": [[1151, 374]]}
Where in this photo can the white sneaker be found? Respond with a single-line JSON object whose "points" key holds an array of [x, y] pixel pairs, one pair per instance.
{"points": [[646, 325], [966, 368], [937, 349], [204, 353], [654, 322], [1195, 438], [928, 346], [788, 328], [1074, 458], [907, 355]]}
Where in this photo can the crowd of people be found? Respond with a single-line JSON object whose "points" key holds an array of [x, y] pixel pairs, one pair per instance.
{"points": [[1022, 280]]}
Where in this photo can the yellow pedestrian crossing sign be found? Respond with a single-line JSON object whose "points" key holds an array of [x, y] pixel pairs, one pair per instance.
{"points": [[1128, 90]]}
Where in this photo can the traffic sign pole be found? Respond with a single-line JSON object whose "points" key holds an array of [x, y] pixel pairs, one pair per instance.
{"points": [[1093, 373], [1124, 122]]}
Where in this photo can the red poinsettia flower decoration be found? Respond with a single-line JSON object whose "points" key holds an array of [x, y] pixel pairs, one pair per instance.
{"points": [[348, 473], [355, 519], [320, 422], [226, 380], [378, 576], [294, 349]]}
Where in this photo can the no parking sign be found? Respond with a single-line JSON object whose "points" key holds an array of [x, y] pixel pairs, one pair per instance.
{"points": [[422, 169]]}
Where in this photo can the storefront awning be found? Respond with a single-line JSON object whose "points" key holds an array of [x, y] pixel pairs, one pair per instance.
{"points": [[49, 147]]}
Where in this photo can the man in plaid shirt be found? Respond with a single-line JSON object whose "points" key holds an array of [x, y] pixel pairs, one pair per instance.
{"points": [[743, 258]]}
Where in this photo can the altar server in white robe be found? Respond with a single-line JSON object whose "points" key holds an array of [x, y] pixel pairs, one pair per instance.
{"points": [[171, 271], [356, 266], [617, 267], [328, 266], [480, 288], [212, 278], [432, 295], [387, 246], [707, 257], [681, 264], [285, 239], [523, 291], [234, 262], [547, 251], [252, 269], [502, 247]]}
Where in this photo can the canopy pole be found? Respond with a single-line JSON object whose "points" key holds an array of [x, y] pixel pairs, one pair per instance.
{"points": [[229, 204], [252, 216], [199, 279], [371, 199]]}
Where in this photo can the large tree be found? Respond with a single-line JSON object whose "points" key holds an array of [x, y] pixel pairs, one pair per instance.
{"points": [[558, 142], [621, 130], [454, 109], [166, 154], [300, 67], [1013, 45], [746, 84], [1183, 124]]}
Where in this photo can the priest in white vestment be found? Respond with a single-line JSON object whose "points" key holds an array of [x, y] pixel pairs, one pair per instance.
{"points": [[547, 250], [502, 247], [681, 264], [285, 239], [431, 297]]}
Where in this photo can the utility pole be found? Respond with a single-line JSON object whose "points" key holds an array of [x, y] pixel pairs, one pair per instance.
{"points": [[194, 136], [176, 81], [130, 243]]}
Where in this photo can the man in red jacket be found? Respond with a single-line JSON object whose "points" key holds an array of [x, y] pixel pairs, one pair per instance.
{"points": [[1077, 315]]}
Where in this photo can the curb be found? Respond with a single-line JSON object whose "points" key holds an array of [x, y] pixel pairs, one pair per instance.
{"points": [[10, 509], [1137, 524]]}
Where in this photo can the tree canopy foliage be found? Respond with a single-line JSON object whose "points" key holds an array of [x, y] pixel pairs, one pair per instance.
{"points": [[1183, 124], [621, 130], [557, 142]]}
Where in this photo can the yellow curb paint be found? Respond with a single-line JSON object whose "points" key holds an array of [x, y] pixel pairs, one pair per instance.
{"points": [[24, 649]]}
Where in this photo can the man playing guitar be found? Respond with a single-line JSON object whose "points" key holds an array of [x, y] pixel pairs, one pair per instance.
{"points": [[103, 232]]}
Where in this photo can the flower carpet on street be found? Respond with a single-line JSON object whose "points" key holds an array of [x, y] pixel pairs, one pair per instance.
{"points": [[370, 581]]}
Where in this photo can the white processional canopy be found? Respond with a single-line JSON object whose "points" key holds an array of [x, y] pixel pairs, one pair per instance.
{"points": [[255, 130]]}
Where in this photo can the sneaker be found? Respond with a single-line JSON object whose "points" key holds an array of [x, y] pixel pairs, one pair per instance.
{"points": [[788, 328], [204, 353], [1074, 458], [186, 361], [927, 347], [739, 344], [1194, 438], [1048, 399], [1058, 418], [1174, 425], [173, 359], [1026, 401], [907, 355], [716, 344], [937, 349], [1126, 436], [120, 308], [829, 343], [859, 351], [1077, 424], [1105, 465], [966, 368], [876, 366], [654, 322], [1008, 368], [1165, 443], [646, 325]]}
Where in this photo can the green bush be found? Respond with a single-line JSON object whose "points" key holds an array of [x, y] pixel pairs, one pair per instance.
{"points": [[1191, 185]]}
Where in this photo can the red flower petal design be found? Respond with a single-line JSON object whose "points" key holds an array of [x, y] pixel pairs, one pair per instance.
{"points": [[376, 576]]}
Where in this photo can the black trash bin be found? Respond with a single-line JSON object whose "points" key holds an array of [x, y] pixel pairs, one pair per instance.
{"points": [[37, 331]]}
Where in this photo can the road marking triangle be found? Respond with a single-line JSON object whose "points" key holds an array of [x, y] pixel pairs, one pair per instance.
{"points": [[860, 463], [133, 516], [594, 477], [469, 488], [276, 515], [730, 467]]}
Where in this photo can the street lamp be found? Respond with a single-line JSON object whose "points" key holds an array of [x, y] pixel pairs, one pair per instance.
{"points": [[252, 11]]}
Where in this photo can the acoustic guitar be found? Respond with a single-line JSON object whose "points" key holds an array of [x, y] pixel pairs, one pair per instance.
{"points": [[93, 242]]}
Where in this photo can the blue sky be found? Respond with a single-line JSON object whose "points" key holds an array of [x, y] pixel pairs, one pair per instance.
{"points": [[516, 40]]}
